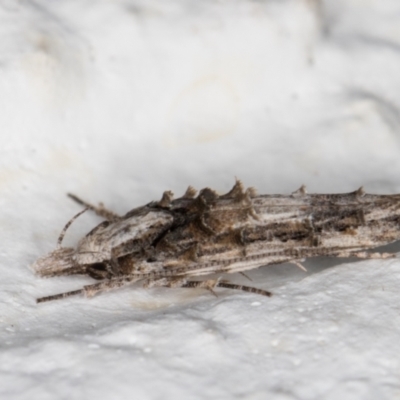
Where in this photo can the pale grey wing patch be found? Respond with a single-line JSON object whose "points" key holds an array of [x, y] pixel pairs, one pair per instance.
{"points": [[100, 247]]}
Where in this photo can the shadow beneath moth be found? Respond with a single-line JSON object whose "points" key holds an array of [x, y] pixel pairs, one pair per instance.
{"points": [[168, 243]]}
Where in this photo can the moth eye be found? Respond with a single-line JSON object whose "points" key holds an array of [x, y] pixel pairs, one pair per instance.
{"points": [[99, 267]]}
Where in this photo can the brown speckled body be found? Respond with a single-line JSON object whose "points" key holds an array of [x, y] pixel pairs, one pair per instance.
{"points": [[166, 243]]}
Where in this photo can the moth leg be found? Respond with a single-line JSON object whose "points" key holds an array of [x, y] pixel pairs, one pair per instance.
{"points": [[100, 210], [227, 285], [246, 276], [209, 284], [109, 284], [298, 264], [165, 282], [244, 288], [155, 283], [366, 255], [182, 282]]}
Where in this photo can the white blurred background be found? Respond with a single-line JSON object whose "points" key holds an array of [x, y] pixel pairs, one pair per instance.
{"points": [[117, 101]]}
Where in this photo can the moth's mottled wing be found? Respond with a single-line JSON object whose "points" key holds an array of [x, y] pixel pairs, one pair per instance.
{"points": [[130, 235], [165, 243]]}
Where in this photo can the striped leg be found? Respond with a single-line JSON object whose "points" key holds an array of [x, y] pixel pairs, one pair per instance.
{"points": [[213, 284]]}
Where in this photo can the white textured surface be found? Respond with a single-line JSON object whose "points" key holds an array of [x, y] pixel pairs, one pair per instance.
{"points": [[117, 101]]}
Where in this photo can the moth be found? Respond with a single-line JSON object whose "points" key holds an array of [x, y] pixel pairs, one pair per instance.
{"points": [[171, 243]]}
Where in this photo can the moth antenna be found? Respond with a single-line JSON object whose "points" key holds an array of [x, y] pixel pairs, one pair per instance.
{"points": [[100, 210], [68, 224], [91, 290]]}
